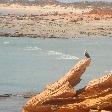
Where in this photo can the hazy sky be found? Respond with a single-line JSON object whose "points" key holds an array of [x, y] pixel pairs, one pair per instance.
{"points": [[82, 0]]}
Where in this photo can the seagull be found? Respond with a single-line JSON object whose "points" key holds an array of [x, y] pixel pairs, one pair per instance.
{"points": [[86, 54]]}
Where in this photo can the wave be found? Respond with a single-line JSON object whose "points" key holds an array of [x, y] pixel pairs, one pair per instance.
{"points": [[54, 53], [6, 42], [32, 48], [68, 57], [62, 55]]}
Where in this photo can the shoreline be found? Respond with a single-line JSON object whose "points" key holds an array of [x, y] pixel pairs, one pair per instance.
{"points": [[54, 21], [89, 37]]}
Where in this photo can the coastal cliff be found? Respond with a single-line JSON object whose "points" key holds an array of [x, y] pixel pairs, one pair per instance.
{"points": [[62, 97]]}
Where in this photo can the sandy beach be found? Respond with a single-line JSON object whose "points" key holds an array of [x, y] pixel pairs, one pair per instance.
{"points": [[54, 21]]}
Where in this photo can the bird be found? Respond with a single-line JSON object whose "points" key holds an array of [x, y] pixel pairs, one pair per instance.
{"points": [[86, 54]]}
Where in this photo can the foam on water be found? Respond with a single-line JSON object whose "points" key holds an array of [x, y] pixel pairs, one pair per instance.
{"points": [[62, 55], [32, 48], [68, 57], [6, 42], [54, 53]]}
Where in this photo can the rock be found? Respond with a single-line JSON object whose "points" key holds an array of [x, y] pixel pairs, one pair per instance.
{"points": [[61, 96], [62, 88], [5, 95], [105, 111], [25, 94], [97, 87]]}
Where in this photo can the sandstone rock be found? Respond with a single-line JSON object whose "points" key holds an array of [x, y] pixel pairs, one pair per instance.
{"points": [[61, 96], [62, 88], [97, 87]]}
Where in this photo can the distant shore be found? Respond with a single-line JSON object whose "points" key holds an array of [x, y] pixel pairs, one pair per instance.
{"points": [[54, 21]]}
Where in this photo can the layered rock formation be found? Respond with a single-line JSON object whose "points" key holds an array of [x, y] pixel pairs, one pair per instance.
{"points": [[61, 96]]}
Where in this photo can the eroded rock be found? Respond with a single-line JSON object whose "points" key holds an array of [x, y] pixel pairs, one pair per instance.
{"points": [[61, 96], [62, 88]]}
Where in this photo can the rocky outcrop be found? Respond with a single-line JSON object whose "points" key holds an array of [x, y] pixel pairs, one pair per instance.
{"points": [[101, 11], [61, 96], [97, 96]]}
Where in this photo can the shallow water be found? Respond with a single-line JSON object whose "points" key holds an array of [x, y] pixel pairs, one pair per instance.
{"points": [[13, 104], [28, 64]]}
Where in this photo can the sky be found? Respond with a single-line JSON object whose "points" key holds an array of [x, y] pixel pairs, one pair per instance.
{"points": [[82, 0]]}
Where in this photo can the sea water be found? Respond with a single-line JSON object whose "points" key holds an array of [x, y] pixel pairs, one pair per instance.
{"points": [[28, 64]]}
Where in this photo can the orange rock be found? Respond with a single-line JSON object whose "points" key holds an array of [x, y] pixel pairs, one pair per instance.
{"points": [[61, 96], [62, 88]]}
